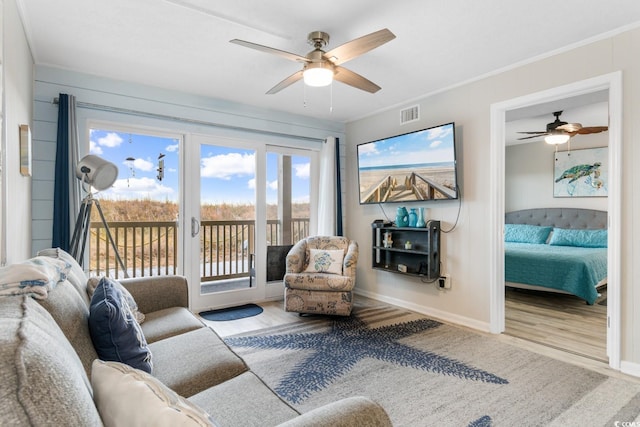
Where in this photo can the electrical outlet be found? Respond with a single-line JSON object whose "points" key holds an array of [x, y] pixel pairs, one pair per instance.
{"points": [[444, 282]]}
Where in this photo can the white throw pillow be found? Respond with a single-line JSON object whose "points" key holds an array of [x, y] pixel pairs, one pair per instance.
{"points": [[126, 396], [325, 261]]}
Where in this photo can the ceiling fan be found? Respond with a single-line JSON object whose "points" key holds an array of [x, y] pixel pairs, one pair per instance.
{"points": [[559, 132], [321, 67]]}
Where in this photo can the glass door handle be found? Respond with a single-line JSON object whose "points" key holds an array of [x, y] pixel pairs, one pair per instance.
{"points": [[195, 227]]}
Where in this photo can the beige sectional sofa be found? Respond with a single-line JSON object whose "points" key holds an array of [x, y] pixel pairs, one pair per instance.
{"points": [[47, 355]]}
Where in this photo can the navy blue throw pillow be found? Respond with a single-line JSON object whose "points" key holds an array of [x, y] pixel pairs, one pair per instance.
{"points": [[114, 331]]}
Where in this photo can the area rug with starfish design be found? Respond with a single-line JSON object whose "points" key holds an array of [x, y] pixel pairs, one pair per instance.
{"points": [[426, 373]]}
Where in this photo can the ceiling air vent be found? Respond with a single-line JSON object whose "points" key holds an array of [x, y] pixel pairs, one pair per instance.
{"points": [[410, 114]]}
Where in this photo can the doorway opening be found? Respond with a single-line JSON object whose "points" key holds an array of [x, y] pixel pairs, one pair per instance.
{"points": [[546, 315], [612, 83]]}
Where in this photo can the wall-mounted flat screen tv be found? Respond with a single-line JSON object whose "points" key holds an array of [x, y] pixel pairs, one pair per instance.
{"points": [[415, 166]]}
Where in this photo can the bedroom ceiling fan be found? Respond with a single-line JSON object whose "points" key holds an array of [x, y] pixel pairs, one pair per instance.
{"points": [[559, 132], [320, 67]]}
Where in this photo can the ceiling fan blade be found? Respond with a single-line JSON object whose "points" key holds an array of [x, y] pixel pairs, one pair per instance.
{"points": [[286, 82], [532, 136], [592, 129], [540, 132], [356, 80], [281, 53], [357, 47], [570, 127]]}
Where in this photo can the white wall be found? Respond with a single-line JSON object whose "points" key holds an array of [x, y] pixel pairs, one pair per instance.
{"points": [[529, 173], [18, 109], [197, 114], [465, 251]]}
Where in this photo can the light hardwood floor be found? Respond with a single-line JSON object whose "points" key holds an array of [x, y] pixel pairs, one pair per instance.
{"points": [[559, 321], [274, 315]]}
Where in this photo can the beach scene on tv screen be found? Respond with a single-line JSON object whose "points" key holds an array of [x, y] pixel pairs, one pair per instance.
{"points": [[411, 167]]}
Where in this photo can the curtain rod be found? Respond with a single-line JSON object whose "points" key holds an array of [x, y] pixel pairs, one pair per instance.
{"points": [[99, 107]]}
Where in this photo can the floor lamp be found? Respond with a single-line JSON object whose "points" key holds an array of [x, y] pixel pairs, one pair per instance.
{"points": [[94, 172]]}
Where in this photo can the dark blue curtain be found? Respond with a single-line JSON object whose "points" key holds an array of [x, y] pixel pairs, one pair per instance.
{"points": [[339, 231], [61, 211]]}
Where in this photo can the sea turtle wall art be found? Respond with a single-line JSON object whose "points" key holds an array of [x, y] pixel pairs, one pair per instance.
{"points": [[581, 173]]}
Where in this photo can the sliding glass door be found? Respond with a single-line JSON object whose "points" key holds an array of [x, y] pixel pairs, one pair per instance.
{"points": [[142, 207], [289, 204], [221, 226], [244, 198]]}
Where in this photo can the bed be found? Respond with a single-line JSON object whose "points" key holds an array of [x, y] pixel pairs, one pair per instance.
{"points": [[557, 250]]}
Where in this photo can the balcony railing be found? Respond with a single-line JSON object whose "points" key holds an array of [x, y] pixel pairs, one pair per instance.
{"points": [[150, 248]]}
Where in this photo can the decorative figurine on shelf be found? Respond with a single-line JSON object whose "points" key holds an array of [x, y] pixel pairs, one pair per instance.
{"points": [[387, 242], [407, 244], [421, 222], [413, 218], [402, 217]]}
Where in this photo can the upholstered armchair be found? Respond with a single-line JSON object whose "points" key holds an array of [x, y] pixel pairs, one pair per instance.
{"points": [[321, 275]]}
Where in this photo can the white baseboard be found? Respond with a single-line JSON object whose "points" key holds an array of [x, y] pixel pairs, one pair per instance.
{"points": [[430, 311], [630, 368], [274, 290]]}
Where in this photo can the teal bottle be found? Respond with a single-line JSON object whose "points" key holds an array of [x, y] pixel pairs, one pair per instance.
{"points": [[413, 218]]}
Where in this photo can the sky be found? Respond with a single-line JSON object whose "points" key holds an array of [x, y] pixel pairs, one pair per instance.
{"points": [[434, 145], [227, 174]]}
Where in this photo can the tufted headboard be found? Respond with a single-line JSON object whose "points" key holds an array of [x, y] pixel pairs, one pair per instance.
{"points": [[559, 217]]}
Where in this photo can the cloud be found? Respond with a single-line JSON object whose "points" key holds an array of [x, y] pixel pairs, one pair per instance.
{"points": [[273, 185], [302, 170], [226, 166], [435, 144], [172, 148], [439, 132], [143, 165], [140, 164], [367, 149], [137, 188], [110, 140], [94, 148]]}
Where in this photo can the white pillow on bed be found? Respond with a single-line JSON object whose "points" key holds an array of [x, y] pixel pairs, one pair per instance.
{"points": [[525, 233]]}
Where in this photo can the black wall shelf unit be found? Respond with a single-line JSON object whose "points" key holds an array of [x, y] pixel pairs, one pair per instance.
{"points": [[422, 259]]}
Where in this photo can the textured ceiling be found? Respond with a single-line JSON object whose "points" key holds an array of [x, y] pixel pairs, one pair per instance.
{"points": [[184, 44]]}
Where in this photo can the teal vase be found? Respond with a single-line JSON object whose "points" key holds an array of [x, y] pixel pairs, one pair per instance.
{"points": [[413, 217], [402, 218], [420, 223]]}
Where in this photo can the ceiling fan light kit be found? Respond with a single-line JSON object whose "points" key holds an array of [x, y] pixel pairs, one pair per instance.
{"points": [[318, 74], [320, 67], [556, 138]]}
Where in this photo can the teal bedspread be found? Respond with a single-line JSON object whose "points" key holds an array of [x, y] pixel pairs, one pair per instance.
{"points": [[572, 269]]}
